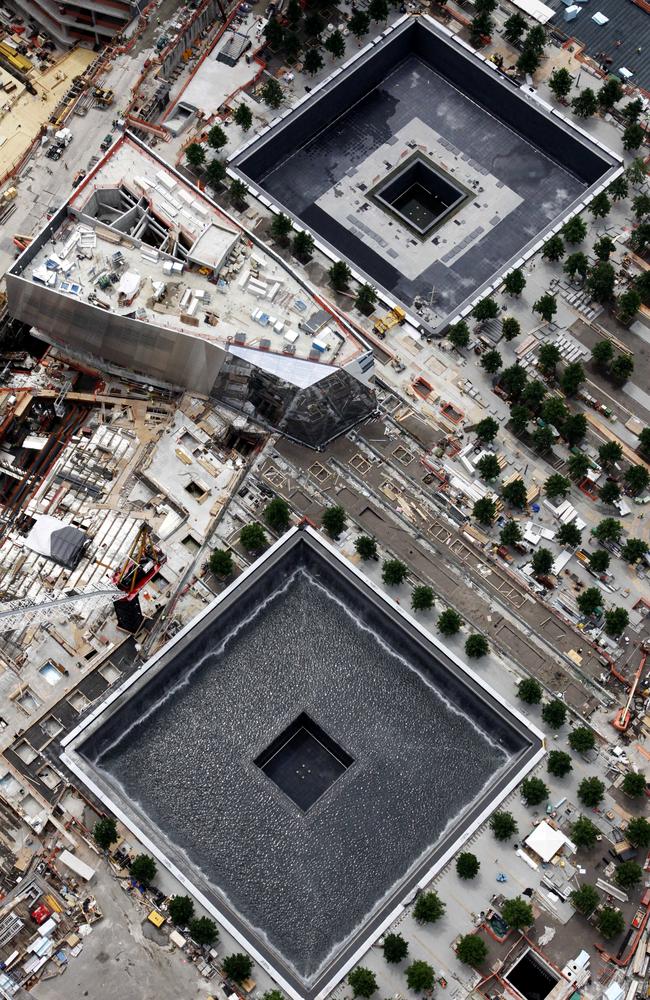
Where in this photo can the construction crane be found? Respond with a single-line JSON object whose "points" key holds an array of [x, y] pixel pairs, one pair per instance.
{"points": [[623, 717], [140, 566]]}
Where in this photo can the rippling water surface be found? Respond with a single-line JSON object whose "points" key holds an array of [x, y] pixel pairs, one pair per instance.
{"points": [[307, 880]]}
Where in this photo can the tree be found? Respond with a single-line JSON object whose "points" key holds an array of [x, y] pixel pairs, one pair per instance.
{"points": [[484, 510], [628, 874], [627, 306], [487, 429], [510, 328], [582, 740], [633, 136], [274, 33], [313, 25], [542, 561], [105, 832], [641, 205], [634, 784], [638, 832], [534, 394], [238, 191], [519, 417], [515, 493], [339, 275], [600, 206], [534, 791], [512, 380], [489, 469], [203, 930], [428, 908], [491, 361], [585, 104], [604, 247], [576, 263], [609, 492], [599, 561], [467, 865], [420, 977], [633, 550], [503, 825], [585, 899], [584, 833], [591, 792], [459, 335], [363, 982], [572, 378], [600, 283], [253, 537], [303, 245], [557, 486], [578, 465], [277, 515], [610, 452], [547, 358], [632, 111], [217, 138], [195, 155], [422, 598], [291, 45], [575, 230], [608, 530], [517, 913], [610, 93], [294, 13], [637, 479], [393, 572], [281, 227], [560, 83], [644, 440], [366, 298], [215, 172], [272, 93], [639, 240], [449, 622], [143, 869], [237, 966], [618, 189], [546, 306], [514, 282], [481, 26], [378, 10], [528, 61], [574, 428], [471, 950], [243, 117], [313, 62], [334, 521], [529, 691], [181, 910], [554, 713], [485, 309], [621, 369], [558, 763], [514, 28], [510, 533], [611, 922], [554, 412], [476, 645], [366, 547], [395, 948], [220, 562], [553, 249], [335, 44], [359, 23], [536, 39], [569, 535], [590, 600], [642, 287]]}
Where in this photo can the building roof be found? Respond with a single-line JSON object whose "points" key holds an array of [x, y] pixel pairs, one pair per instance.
{"points": [[546, 841], [627, 24]]}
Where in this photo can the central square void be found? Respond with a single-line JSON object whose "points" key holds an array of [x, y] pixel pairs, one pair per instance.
{"points": [[304, 762], [420, 195]]}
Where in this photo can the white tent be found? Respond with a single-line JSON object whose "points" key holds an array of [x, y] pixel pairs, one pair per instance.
{"points": [[545, 841]]}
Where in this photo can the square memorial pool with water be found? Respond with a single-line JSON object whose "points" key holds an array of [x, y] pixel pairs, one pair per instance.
{"points": [[304, 754]]}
